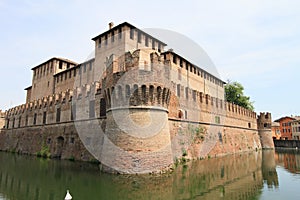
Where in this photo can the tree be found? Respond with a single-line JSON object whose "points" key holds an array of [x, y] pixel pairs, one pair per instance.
{"points": [[234, 93]]}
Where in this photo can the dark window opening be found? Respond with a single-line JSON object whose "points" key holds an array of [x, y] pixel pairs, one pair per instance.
{"points": [[44, 117], [174, 59], [99, 43], [34, 118], [105, 39], [139, 37], [58, 112], [132, 34], [112, 37], [102, 107], [159, 47], [60, 65], [153, 44], [147, 41], [26, 120], [19, 123]]}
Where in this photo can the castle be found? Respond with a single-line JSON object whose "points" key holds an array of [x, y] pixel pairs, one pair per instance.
{"points": [[134, 107]]}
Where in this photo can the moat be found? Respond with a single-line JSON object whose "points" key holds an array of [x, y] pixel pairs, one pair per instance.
{"points": [[257, 175]]}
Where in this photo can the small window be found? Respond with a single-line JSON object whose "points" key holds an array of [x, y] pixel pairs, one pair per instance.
{"points": [[91, 66], [99, 43], [174, 59], [74, 73], [112, 37], [146, 41], [58, 112], [60, 65], [70, 74], [34, 118], [26, 120], [132, 34], [139, 37], [106, 40], [102, 107], [19, 124], [44, 117], [159, 47], [153, 44]]}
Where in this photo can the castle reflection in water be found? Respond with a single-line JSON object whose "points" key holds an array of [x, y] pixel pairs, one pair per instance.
{"points": [[230, 177]]}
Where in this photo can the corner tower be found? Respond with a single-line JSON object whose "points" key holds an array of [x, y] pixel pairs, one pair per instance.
{"points": [[264, 122]]}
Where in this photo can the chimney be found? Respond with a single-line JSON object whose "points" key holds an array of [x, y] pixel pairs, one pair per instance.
{"points": [[111, 25]]}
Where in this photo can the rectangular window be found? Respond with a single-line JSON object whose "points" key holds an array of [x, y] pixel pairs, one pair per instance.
{"points": [[153, 44], [174, 59], [132, 34], [102, 107], [34, 118], [92, 109], [146, 41], [60, 64], [112, 37], [44, 117], [99, 43], [106, 40], [7, 125], [26, 120], [91, 66], [84, 68], [159, 47], [58, 112], [139, 37], [19, 124], [74, 73]]}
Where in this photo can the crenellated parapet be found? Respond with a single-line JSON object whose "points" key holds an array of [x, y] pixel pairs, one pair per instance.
{"points": [[44, 110]]}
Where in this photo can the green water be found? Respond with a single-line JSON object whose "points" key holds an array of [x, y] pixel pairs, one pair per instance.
{"points": [[257, 175]]}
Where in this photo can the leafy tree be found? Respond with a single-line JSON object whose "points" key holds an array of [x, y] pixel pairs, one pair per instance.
{"points": [[234, 93]]}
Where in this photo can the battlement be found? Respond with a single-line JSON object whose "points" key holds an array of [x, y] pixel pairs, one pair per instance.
{"points": [[264, 120]]}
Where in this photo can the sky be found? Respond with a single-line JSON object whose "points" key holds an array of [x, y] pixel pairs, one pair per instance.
{"points": [[253, 42]]}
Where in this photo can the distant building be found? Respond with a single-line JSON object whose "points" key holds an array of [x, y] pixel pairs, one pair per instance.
{"points": [[285, 127], [296, 129], [276, 135]]}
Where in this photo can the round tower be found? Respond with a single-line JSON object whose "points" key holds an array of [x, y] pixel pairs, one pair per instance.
{"points": [[264, 122], [137, 137]]}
